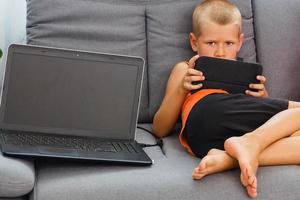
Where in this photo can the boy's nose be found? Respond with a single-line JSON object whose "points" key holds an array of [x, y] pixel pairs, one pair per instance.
{"points": [[220, 52]]}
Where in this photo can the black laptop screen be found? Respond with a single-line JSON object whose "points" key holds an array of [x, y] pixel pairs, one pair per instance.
{"points": [[78, 94]]}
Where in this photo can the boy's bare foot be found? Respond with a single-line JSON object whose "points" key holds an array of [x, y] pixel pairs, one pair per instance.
{"points": [[215, 161], [246, 151]]}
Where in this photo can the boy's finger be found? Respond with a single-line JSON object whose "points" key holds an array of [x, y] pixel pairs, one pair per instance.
{"points": [[192, 61], [257, 86], [196, 78], [195, 72], [250, 93], [193, 87], [262, 79], [254, 94]]}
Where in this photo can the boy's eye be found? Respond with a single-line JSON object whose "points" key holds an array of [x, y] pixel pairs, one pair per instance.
{"points": [[211, 43], [229, 43]]}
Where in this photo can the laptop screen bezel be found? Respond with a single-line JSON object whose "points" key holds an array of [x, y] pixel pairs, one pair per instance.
{"points": [[39, 50]]}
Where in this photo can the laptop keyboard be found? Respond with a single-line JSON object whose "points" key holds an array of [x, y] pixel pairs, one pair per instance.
{"points": [[67, 142]]}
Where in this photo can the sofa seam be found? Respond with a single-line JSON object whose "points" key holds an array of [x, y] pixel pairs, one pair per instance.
{"points": [[129, 3], [169, 1], [34, 191], [254, 30], [147, 61]]}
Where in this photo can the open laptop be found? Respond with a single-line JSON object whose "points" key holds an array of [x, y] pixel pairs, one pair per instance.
{"points": [[73, 104]]}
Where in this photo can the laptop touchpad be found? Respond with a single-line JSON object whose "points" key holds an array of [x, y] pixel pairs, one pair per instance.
{"points": [[57, 151]]}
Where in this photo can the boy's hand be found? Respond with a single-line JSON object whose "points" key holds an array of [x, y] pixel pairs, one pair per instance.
{"points": [[260, 90], [192, 75]]}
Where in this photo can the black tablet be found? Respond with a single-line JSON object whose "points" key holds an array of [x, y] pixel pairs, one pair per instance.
{"points": [[230, 75]]}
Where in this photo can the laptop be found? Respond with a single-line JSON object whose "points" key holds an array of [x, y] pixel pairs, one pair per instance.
{"points": [[71, 104], [232, 76]]}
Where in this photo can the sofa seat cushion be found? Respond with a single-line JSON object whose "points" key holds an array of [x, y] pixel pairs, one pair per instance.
{"points": [[17, 176], [168, 178]]}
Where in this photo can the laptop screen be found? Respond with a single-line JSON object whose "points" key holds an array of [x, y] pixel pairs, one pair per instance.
{"points": [[70, 92]]}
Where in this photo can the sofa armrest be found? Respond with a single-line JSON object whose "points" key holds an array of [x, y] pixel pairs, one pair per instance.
{"points": [[16, 176]]}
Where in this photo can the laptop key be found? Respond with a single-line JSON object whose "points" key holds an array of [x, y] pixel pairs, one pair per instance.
{"points": [[129, 147], [116, 146]]}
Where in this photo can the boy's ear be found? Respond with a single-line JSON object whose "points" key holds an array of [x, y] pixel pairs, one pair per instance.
{"points": [[193, 42], [241, 40]]}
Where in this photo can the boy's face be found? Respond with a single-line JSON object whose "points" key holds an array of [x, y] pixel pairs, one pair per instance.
{"points": [[221, 41]]}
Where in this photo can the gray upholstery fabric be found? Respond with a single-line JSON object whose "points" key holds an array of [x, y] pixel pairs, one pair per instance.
{"points": [[168, 41], [16, 176], [115, 26], [277, 26], [168, 178], [19, 198], [122, 26]]}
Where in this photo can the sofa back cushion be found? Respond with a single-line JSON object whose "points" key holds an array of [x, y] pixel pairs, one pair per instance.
{"points": [[168, 25], [110, 26], [277, 28], [156, 30]]}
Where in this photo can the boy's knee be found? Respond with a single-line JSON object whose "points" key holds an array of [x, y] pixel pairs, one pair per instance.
{"points": [[294, 104], [213, 151]]}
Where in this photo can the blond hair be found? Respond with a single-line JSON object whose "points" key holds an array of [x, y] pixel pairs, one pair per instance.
{"points": [[222, 12]]}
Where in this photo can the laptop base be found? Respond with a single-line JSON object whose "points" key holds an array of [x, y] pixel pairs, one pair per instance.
{"points": [[127, 152]]}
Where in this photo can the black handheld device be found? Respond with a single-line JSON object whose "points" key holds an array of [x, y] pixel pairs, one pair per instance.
{"points": [[230, 75]]}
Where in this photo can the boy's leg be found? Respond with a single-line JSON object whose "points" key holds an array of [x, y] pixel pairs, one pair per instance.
{"points": [[282, 152], [215, 161], [246, 149], [294, 104]]}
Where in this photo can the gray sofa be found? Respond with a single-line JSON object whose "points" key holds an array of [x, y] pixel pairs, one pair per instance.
{"points": [[156, 30]]}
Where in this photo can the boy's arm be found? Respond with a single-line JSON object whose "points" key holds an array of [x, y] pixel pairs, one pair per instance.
{"points": [[178, 86], [169, 110]]}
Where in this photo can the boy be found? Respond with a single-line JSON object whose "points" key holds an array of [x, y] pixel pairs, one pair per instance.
{"points": [[268, 129]]}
